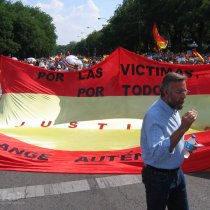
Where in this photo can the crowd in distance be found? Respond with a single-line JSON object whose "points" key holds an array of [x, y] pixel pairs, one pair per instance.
{"points": [[69, 62]]}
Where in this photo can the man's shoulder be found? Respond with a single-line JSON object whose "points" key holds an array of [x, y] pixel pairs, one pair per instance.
{"points": [[154, 111], [155, 106]]}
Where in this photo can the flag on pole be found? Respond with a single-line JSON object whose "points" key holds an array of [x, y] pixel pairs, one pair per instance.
{"points": [[160, 41], [197, 54]]}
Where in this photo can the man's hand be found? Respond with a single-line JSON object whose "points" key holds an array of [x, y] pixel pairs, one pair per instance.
{"points": [[188, 119], [186, 122]]}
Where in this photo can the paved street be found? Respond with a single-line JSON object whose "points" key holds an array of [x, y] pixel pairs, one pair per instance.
{"points": [[24, 191]]}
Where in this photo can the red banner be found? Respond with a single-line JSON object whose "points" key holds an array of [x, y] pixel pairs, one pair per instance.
{"points": [[90, 121]]}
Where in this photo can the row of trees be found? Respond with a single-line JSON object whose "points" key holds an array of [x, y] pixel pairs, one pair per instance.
{"points": [[25, 31], [179, 21]]}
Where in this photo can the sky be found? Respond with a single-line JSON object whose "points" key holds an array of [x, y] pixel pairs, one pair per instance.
{"points": [[75, 19]]}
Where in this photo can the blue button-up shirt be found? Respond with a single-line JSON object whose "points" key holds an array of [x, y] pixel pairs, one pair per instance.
{"points": [[160, 121]]}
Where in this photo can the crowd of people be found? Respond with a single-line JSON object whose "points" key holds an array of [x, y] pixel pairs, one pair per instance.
{"points": [[65, 62], [69, 62], [189, 57]]}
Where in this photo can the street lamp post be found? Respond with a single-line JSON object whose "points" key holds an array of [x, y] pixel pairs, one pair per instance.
{"points": [[88, 47], [90, 27], [101, 18]]}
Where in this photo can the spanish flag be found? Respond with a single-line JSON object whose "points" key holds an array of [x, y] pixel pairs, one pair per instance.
{"points": [[197, 54], [160, 41], [90, 121]]}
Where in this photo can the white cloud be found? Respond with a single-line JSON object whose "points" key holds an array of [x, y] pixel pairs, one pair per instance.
{"points": [[73, 21], [88, 10], [58, 19], [54, 5]]}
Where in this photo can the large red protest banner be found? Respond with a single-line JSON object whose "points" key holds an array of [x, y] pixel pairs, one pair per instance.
{"points": [[90, 121]]}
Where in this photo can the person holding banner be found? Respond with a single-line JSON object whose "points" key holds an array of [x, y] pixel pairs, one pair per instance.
{"points": [[162, 144]]}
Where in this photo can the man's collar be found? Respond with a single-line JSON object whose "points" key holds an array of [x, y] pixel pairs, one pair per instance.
{"points": [[166, 107]]}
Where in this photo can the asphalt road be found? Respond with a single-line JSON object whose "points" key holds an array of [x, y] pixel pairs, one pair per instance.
{"points": [[42, 191]]}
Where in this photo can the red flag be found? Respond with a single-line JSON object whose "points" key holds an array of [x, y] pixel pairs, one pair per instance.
{"points": [[195, 53], [160, 41]]}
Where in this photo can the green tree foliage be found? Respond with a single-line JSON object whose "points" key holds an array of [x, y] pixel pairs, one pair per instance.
{"points": [[7, 43], [25, 31], [179, 21]]}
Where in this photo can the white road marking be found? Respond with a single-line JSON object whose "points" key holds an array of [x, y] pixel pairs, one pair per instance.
{"points": [[116, 181], [12, 194]]}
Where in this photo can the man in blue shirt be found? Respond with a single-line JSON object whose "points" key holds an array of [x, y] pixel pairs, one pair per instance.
{"points": [[162, 146]]}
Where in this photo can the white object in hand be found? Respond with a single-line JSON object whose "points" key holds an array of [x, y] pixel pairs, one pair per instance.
{"points": [[190, 145]]}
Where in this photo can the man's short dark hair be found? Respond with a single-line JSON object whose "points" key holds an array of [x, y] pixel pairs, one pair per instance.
{"points": [[171, 77]]}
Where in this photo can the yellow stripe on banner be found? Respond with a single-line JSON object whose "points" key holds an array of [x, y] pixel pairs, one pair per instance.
{"points": [[79, 124], [78, 140], [33, 109]]}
